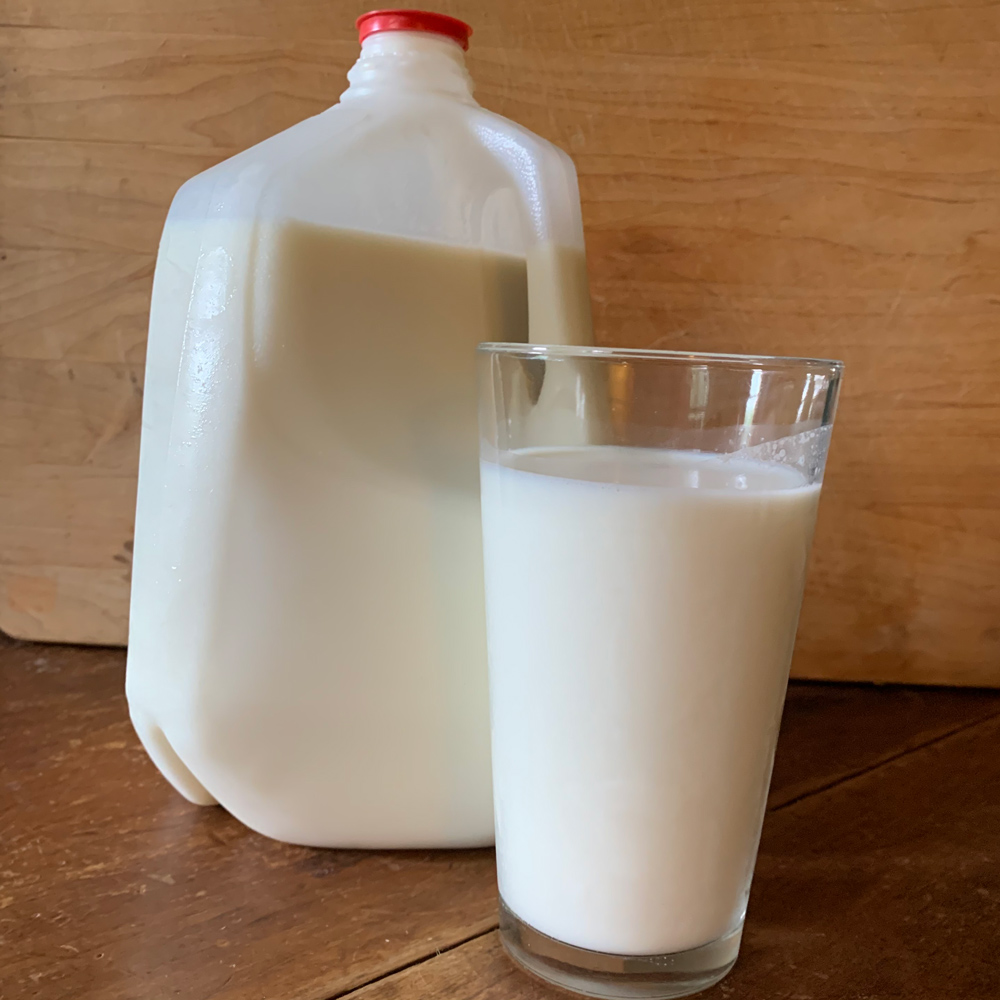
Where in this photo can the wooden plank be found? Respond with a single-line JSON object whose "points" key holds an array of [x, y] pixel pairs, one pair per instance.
{"points": [[781, 176], [68, 450], [754, 27], [71, 355], [221, 93], [896, 597], [72, 305], [779, 107], [882, 887], [84, 592], [113, 887], [832, 732], [89, 196], [85, 600], [72, 350]]}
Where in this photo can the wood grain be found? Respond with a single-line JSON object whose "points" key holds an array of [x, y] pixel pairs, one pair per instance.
{"points": [[756, 27], [221, 92], [831, 733], [886, 886], [89, 195], [779, 176], [114, 888], [74, 305]]}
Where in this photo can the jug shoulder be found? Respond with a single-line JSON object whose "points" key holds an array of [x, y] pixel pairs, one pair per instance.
{"points": [[225, 186], [494, 127]]}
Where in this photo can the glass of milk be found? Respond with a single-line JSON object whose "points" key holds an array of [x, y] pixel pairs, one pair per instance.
{"points": [[647, 517]]}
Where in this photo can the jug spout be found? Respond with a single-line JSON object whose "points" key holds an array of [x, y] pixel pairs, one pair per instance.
{"points": [[400, 61]]}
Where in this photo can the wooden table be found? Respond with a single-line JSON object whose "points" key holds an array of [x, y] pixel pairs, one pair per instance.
{"points": [[878, 873]]}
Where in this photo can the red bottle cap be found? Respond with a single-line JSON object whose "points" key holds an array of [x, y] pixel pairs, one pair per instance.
{"points": [[413, 20]]}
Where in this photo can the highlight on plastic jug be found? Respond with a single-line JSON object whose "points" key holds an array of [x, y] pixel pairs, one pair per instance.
{"points": [[307, 642]]}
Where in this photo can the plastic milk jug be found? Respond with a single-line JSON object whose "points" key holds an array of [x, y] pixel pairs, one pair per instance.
{"points": [[307, 640]]}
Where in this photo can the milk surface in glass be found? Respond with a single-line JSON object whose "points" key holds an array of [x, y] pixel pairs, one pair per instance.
{"points": [[641, 612]]}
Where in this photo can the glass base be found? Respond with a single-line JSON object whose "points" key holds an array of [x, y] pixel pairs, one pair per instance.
{"points": [[617, 977]]}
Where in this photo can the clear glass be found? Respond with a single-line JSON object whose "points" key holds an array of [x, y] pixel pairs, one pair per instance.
{"points": [[647, 517]]}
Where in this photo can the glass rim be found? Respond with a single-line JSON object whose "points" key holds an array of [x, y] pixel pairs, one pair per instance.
{"points": [[650, 354]]}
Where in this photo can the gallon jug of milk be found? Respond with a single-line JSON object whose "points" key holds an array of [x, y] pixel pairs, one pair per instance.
{"points": [[307, 642]]}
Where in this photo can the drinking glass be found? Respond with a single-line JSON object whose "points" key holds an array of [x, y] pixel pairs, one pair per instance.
{"points": [[647, 517]]}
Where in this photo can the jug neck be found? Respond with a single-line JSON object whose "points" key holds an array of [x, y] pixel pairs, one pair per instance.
{"points": [[406, 63]]}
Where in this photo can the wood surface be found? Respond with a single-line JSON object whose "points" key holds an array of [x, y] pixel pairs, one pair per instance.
{"points": [[883, 887], [879, 874], [783, 176]]}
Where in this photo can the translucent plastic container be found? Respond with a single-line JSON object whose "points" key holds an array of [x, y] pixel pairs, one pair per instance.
{"points": [[307, 641]]}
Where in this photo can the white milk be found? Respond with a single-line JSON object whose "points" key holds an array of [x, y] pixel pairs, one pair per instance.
{"points": [[307, 636], [641, 613]]}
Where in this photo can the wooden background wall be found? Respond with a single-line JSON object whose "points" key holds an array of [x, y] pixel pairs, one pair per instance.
{"points": [[788, 176]]}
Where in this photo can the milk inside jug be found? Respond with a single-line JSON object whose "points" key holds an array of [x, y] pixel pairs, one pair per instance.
{"points": [[307, 642]]}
